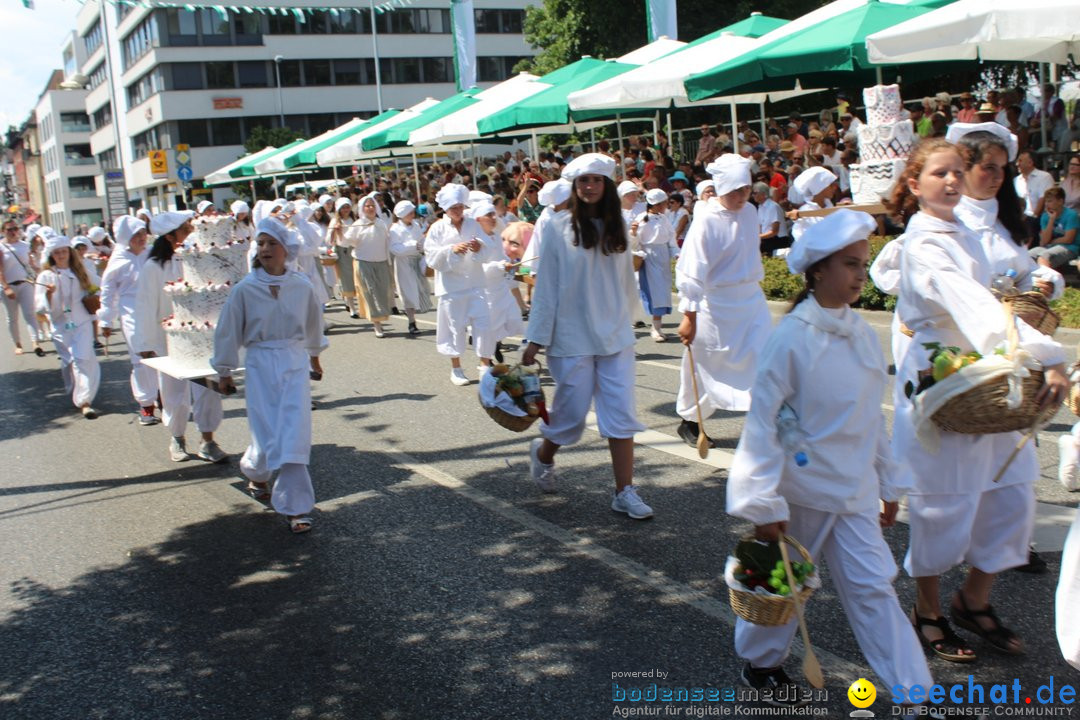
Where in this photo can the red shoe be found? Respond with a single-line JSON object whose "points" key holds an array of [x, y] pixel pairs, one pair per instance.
{"points": [[146, 416]]}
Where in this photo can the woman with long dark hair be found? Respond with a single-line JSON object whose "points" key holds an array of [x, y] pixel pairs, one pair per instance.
{"points": [[581, 315]]}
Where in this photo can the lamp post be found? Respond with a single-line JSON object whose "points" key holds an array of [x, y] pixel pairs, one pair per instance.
{"points": [[375, 47], [277, 75]]}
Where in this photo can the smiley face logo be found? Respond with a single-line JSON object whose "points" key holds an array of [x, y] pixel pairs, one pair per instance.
{"points": [[862, 693]]}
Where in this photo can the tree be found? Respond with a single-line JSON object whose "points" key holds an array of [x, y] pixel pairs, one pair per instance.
{"points": [[259, 138]]}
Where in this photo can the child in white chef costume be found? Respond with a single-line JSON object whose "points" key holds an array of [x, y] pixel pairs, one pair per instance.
{"points": [[654, 242], [179, 398], [581, 314], [119, 285], [407, 247], [275, 315], [455, 248], [498, 289], [726, 320], [824, 362], [818, 186], [555, 197]]}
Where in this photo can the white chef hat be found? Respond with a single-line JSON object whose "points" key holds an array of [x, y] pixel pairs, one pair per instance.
{"points": [[323, 199], [589, 164], [452, 194], [239, 207], [703, 186], [277, 230], [957, 131], [143, 212], [480, 209], [55, 242], [203, 206], [476, 196], [166, 222], [555, 192], [403, 208], [80, 240], [626, 187], [823, 238], [44, 232], [96, 233], [126, 227], [31, 230], [341, 202], [729, 172], [813, 180], [304, 211], [656, 196]]}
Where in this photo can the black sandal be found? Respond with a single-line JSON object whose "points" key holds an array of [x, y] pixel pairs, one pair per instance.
{"points": [[949, 647], [999, 636]]}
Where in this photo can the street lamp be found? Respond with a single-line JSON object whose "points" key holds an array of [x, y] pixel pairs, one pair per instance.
{"points": [[277, 74], [375, 48]]}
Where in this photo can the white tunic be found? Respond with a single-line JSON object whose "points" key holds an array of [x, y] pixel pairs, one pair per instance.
{"points": [[581, 302], [656, 239], [718, 277], [152, 305], [505, 314], [370, 240], [458, 273], [802, 224], [1068, 596], [119, 285], [828, 367], [407, 246]]}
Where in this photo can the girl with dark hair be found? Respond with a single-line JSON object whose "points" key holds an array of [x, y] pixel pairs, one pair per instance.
{"points": [[581, 314], [957, 513]]}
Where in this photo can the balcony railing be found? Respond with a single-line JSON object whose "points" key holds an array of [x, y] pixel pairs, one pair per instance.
{"points": [[79, 161]]}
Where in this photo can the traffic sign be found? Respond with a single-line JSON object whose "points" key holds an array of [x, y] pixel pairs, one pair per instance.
{"points": [[159, 163], [184, 173]]}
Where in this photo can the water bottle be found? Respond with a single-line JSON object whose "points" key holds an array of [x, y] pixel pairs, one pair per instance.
{"points": [[1005, 283], [792, 437]]}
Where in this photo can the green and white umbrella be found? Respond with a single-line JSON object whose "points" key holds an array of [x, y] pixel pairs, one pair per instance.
{"points": [[303, 156], [349, 150], [221, 175]]}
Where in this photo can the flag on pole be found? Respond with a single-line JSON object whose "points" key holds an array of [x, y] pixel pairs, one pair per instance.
{"points": [[28, 4], [661, 19], [463, 26]]}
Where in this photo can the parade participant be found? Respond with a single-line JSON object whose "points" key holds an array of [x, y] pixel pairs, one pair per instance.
{"points": [[1067, 597], [205, 208], [118, 291], [456, 251], [725, 317], [407, 247], [817, 186], [957, 513], [630, 200], [369, 238], [152, 305], [335, 238], [824, 363], [654, 241], [555, 197], [60, 290], [99, 239], [581, 316], [274, 314], [17, 280], [242, 214], [679, 216], [80, 244], [311, 240], [499, 283], [706, 194]]}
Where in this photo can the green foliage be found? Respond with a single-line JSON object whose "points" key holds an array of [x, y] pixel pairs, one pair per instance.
{"points": [[1068, 307], [260, 137]]}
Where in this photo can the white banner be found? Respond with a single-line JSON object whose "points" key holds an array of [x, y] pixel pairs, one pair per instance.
{"points": [[463, 24], [661, 18]]}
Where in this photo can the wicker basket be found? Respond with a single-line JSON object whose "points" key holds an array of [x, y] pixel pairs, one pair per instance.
{"points": [[513, 423], [327, 260], [770, 610], [983, 410], [1074, 392], [429, 272], [638, 262], [1034, 309]]}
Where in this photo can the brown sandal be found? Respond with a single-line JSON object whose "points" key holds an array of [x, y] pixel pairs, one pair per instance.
{"points": [[259, 491], [949, 647]]}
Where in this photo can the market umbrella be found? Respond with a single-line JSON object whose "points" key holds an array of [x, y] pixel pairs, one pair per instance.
{"points": [[221, 175], [349, 149], [1033, 30], [820, 54], [398, 135], [303, 156], [247, 169], [461, 126]]}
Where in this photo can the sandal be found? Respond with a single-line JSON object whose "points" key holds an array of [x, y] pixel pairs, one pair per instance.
{"points": [[949, 647], [299, 524], [259, 491], [999, 636], [39, 352]]}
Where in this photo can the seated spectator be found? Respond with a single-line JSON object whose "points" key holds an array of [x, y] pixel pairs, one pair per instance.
{"points": [[770, 221], [795, 138], [1058, 226], [1071, 183], [1013, 121], [968, 110]]}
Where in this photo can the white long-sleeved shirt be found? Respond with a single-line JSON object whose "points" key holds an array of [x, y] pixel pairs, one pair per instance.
{"points": [[370, 240], [581, 302], [721, 250], [119, 284], [769, 212], [152, 305], [252, 315], [655, 230], [66, 302], [458, 273], [827, 366], [406, 240]]}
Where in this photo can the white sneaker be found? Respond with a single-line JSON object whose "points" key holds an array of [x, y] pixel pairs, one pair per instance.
{"points": [[630, 503], [1068, 455], [542, 474], [657, 335], [457, 376]]}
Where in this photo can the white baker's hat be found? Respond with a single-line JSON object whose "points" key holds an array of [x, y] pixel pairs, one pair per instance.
{"points": [[957, 131], [480, 209], [55, 242], [203, 206], [812, 181], [452, 194], [96, 233], [403, 208], [239, 207], [626, 187], [729, 172], [823, 238], [166, 222], [555, 192], [126, 227], [590, 164], [656, 196]]}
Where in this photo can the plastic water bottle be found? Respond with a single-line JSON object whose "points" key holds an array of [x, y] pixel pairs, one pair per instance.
{"points": [[1005, 283], [792, 437]]}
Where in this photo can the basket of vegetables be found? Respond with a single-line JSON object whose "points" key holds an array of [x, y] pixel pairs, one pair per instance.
{"points": [[512, 396], [758, 587]]}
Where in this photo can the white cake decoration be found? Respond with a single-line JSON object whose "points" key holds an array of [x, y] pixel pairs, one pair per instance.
{"points": [[885, 142]]}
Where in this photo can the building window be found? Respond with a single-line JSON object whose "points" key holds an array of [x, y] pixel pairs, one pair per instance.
{"points": [[252, 74], [438, 70], [140, 40], [107, 159], [316, 72], [281, 25], [187, 76], [144, 142], [86, 217], [250, 123], [182, 27], [193, 132], [122, 10], [93, 37], [82, 187], [347, 72], [144, 87], [220, 75], [215, 28], [290, 73], [97, 76], [225, 131], [78, 155], [323, 122], [496, 69], [248, 28], [344, 23], [74, 122], [407, 21], [102, 117], [314, 23], [499, 21]]}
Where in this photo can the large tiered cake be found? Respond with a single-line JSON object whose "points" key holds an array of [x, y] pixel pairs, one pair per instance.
{"points": [[885, 141], [213, 261]]}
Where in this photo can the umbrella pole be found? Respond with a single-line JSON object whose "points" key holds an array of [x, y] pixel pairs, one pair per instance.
{"points": [[273, 181], [655, 125], [592, 138], [734, 128], [416, 177], [764, 132], [670, 132], [253, 198], [536, 148], [1042, 115], [877, 72], [618, 143]]}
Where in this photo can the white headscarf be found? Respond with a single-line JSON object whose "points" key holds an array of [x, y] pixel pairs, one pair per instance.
{"points": [[703, 185], [589, 164], [958, 130], [476, 196], [340, 203], [126, 228], [452, 194], [166, 222], [204, 206], [831, 233], [80, 240], [656, 196], [812, 181], [729, 172], [277, 230], [323, 199], [96, 234], [55, 242], [555, 192], [480, 209], [31, 230]]}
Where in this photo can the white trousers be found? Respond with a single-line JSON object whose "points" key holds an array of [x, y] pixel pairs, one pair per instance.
{"points": [[1068, 596], [78, 362], [456, 315], [989, 530], [144, 379], [180, 397], [607, 380], [292, 494], [24, 301], [862, 570]]}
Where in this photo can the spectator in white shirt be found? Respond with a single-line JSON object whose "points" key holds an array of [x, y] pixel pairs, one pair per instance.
{"points": [[770, 220], [1031, 184]]}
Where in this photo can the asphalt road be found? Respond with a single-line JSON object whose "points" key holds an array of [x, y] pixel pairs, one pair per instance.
{"points": [[438, 583]]}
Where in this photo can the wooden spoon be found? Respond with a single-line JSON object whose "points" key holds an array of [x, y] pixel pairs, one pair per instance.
{"points": [[810, 666], [702, 439]]}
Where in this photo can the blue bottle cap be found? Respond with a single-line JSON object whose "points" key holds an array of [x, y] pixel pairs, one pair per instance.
{"points": [[800, 459]]}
